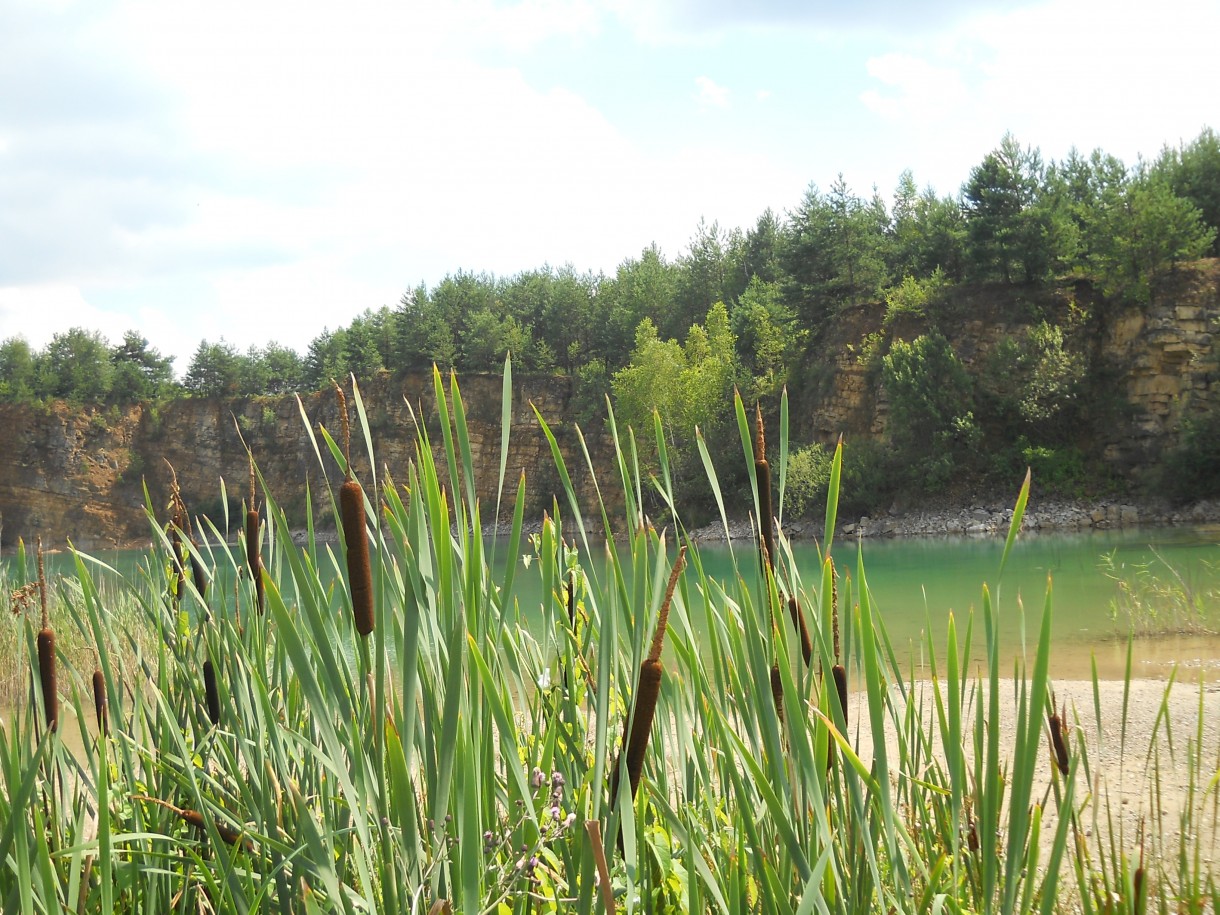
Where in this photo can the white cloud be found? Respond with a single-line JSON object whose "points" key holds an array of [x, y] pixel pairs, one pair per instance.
{"points": [[1088, 73], [40, 311], [710, 94], [920, 90]]}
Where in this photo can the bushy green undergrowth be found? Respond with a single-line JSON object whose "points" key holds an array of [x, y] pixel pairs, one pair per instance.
{"points": [[459, 760]]}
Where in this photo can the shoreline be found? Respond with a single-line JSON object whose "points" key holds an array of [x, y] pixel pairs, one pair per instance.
{"points": [[981, 520], [989, 520]]}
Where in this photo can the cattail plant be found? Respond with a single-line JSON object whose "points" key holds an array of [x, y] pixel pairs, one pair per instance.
{"points": [[227, 833], [99, 699], [647, 691], [355, 535], [762, 477], [1058, 728], [210, 691], [254, 559], [766, 524], [838, 672], [802, 628], [46, 653]]}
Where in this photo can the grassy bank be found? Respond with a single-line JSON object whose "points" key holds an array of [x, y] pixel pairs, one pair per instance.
{"points": [[272, 750]]}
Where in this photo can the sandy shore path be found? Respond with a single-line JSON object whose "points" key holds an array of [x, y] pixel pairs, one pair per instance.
{"points": [[1154, 763]]}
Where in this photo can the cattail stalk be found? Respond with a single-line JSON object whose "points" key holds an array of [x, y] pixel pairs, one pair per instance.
{"points": [[355, 535], [210, 691], [254, 559], [647, 691], [762, 477], [179, 584], [182, 529], [46, 653], [766, 523]]}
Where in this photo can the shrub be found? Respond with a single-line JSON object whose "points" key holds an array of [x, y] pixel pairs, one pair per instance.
{"points": [[1192, 470]]}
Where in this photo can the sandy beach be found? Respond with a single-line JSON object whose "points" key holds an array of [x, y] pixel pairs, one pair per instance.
{"points": [[1141, 763]]}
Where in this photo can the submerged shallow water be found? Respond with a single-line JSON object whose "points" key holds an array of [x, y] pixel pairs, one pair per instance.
{"points": [[917, 583]]}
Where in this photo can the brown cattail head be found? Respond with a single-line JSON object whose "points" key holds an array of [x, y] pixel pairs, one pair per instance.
{"points": [[46, 653], [210, 692], [798, 620], [777, 692], [254, 561], [46, 676], [1058, 742], [839, 675], [99, 703], [359, 571], [571, 595], [200, 576], [635, 737], [762, 479]]}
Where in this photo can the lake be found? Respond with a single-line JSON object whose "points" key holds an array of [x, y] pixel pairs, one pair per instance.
{"points": [[918, 582]]}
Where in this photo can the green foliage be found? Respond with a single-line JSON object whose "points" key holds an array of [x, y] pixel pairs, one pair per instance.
{"points": [[1192, 470], [457, 757], [764, 330], [1012, 226], [1155, 598], [76, 366], [141, 373], [867, 479], [914, 297], [17, 370], [688, 384], [1059, 471], [1032, 384], [834, 253], [590, 387], [931, 419], [1193, 171], [215, 370]]}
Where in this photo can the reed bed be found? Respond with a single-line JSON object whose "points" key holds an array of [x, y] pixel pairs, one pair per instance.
{"points": [[273, 750]]}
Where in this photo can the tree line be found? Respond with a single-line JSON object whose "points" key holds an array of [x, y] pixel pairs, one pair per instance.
{"points": [[741, 307], [1016, 219]]}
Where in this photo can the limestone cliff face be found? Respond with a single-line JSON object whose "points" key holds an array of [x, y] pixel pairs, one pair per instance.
{"points": [[1165, 358], [71, 473], [77, 474]]}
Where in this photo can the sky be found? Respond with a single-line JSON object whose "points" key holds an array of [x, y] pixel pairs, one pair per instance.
{"points": [[258, 171]]}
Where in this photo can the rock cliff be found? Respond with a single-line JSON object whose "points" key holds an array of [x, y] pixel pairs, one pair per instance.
{"points": [[71, 473], [78, 473]]}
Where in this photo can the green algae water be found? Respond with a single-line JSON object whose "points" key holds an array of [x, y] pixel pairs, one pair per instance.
{"points": [[1163, 583]]}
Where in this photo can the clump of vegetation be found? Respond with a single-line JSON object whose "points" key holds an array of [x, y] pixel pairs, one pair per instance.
{"points": [[1154, 598], [1192, 470], [457, 756]]}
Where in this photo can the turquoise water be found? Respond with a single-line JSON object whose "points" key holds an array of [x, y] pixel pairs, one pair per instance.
{"points": [[917, 583]]}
